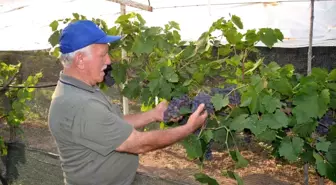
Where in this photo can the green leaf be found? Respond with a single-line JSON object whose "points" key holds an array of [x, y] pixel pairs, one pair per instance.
{"points": [[143, 45], [275, 121], [193, 146], [240, 122], [283, 86], [205, 179], [174, 25], [234, 175], [271, 103], [54, 38], [241, 161], [169, 74], [219, 101], [131, 89], [236, 20], [291, 148], [323, 146], [319, 74], [268, 37], [255, 125], [305, 129], [54, 25], [119, 73], [267, 135], [332, 75]]}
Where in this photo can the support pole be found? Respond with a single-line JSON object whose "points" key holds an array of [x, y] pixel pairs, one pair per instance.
{"points": [[310, 57], [123, 56], [310, 49]]}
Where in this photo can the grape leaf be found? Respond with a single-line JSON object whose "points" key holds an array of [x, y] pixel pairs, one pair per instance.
{"points": [[131, 89], [271, 103], [276, 120], [205, 179], [219, 101], [323, 146], [332, 75], [169, 74], [241, 161], [306, 107], [306, 128], [240, 122], [234, 175], [119, 72], [291, 148], [236, 20], [193, 146], [54, 25], [267, 135], [268, 37], [283, 86], [255, 125]]}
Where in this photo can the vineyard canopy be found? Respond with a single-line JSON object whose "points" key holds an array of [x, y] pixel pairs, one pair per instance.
{"points": [[24, 24]]}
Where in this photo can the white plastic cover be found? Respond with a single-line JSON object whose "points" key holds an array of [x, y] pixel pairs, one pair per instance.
{"points": [[24, 24]]}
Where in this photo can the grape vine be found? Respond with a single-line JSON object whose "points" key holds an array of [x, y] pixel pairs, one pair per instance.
{"points": [[242, 92]]}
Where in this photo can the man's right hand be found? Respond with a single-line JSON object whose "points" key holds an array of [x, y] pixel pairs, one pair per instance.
{"points": [[197, 119]]}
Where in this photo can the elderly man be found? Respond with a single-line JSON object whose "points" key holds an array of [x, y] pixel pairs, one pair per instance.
{"points": [[97, 144]]}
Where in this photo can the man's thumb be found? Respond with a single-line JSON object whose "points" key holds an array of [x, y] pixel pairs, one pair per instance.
{"points": [[200, 108]]}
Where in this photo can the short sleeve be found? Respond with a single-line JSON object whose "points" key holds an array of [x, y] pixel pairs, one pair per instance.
{"points": [[98, 128]]}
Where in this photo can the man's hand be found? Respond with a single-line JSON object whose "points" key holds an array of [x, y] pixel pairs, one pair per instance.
{"points": [[197, 119], [160, 109]]}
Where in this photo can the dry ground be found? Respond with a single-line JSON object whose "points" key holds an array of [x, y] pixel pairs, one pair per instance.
{"points": [[172, 163]]}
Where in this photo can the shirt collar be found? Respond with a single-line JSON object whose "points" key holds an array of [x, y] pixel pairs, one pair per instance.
{"points": [[69, 80]]}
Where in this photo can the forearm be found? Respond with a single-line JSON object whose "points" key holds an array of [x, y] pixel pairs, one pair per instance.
{"points": [[141, 119], [153, 140]]}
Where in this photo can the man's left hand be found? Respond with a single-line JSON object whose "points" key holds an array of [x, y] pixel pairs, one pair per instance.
{"points": [[160, 109]]}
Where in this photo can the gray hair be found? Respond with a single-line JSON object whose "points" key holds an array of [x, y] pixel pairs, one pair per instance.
{"points": [[67, 58]]}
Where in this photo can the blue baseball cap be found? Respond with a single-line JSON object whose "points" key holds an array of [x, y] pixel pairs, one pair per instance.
{"points": [[82, 33]]}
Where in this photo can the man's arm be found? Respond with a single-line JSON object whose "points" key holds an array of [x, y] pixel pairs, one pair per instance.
{"points": [[141, 119], [142, 142]]}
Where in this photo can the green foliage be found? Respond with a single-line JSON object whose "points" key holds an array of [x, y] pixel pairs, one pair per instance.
{"points": [[277, 105], [14, 100]]}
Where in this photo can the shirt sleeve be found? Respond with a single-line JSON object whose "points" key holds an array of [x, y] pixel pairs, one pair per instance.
{"points": [[98, 128]]}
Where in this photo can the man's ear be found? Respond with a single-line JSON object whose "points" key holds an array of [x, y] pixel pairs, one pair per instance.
{"points": [[78, 60]]}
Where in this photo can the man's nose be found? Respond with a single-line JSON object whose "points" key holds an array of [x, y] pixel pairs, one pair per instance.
{"points": [[108, 60]]}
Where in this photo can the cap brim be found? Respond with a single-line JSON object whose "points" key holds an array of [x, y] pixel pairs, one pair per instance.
{"points": [[108, 39]]}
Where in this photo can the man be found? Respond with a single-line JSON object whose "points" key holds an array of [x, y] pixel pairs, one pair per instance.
{"points": [[97, 144]]}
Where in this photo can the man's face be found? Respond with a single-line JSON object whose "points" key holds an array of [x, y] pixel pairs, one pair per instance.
{"points": [[96, 63]]}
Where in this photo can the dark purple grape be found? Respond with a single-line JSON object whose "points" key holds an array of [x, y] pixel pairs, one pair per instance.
{"points": [[208, 151], [173, 110], [234, 97], [202, 98], [324, 123], [108, 79]]}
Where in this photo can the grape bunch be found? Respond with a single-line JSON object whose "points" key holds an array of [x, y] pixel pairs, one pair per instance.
{"points": [[202, 98], [324, 123], [208, 151], [234, 97], [173, 110], [108, 79]]}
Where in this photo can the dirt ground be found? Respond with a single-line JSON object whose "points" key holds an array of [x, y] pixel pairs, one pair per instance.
{"points": [[172, 163]]}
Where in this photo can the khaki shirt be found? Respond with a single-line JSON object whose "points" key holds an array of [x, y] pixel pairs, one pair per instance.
{"points": [[87, 129]]}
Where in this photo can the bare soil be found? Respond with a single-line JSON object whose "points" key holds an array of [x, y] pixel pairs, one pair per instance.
{"points": [[172, 163]]}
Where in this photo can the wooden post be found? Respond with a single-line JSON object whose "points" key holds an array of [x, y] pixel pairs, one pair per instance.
{"points": [[123, 55], [310, 57], [310, 49], [123, 4]]}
